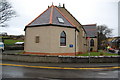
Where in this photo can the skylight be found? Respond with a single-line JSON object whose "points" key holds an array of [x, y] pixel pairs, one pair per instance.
{"points": [[60, 20]]}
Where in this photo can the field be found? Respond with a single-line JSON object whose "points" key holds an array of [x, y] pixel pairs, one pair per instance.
{"points": [[11, 41]]}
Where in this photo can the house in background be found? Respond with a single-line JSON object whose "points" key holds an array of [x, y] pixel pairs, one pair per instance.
{"points": [[91, 31], [55, 32], [114, 42]]}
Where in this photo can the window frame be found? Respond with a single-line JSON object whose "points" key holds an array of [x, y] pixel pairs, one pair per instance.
{"points": [[37, 39], [60, 20], [62, 37], [92, 42]]}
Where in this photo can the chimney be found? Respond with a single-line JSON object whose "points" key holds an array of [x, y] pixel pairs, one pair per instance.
{"points": [[59, 5], [63, 5]]}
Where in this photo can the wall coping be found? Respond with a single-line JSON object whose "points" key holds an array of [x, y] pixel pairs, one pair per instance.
{"points": [[62, 56]]}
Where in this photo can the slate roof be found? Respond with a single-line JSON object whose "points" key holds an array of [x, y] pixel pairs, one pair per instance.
{"points": [[91, 30], [50, 16], [64, 10]]}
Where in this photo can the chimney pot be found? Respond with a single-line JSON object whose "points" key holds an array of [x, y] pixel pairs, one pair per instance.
{"points": [[63, 5], [59, 5]]}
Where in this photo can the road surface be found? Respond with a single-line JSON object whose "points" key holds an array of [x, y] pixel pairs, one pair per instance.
{"points": [[53, 71]]}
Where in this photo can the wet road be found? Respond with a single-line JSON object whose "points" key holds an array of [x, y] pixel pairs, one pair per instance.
{"points": [[48, 73]]}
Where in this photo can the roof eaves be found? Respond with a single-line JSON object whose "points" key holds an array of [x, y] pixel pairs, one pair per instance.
{"points": [[50, 25]]}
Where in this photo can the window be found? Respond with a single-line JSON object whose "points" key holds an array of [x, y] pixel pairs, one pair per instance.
{"points": [[63, 39], [91, 42], [37, 39], [60, 20]]}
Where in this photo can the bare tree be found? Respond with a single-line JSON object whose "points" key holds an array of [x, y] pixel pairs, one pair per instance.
{"points": [[6, 12], [103, 33]]}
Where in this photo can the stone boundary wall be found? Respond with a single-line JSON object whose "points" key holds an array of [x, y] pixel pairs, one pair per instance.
{"points": [[61, 59]]}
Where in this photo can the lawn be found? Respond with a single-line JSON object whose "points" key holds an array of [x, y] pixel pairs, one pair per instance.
{"points": [[11, 41], [98, 54]]}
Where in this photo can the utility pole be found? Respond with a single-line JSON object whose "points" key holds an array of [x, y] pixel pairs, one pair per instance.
{"points": [[89, 48]]}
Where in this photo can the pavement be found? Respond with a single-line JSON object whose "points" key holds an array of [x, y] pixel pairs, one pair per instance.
{"points": [[46, 71]]}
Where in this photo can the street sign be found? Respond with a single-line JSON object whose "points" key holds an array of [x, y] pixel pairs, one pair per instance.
{"points": [[71, 45]]}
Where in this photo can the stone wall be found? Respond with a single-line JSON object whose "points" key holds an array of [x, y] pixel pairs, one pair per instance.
{"points": [[61, 59]]}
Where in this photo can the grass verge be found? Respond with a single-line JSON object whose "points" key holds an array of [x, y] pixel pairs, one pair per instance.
{"points": [[11, 41], [98, 54]]}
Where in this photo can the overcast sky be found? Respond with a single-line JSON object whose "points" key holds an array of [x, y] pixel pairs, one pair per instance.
{"points": [[85, 11]]}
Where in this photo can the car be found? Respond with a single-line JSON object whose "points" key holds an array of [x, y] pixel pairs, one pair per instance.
{"points": [[2, 46], [19, 43]]}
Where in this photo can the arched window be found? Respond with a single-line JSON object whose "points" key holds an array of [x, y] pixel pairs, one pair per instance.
{"points": [[63, 39], [91, 42]]}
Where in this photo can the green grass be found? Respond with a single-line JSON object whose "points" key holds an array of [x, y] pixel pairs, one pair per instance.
{"points": [[98, 54], [20, 53], [11, 41], [4, 37]]}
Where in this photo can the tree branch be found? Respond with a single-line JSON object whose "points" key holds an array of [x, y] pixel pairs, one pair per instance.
{"points": [[6, 11]]}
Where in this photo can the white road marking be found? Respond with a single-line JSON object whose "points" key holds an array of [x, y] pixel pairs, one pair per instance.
{"points": [[102, 73]]}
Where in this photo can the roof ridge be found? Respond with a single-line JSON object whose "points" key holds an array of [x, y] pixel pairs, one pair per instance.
{"points": [[89, 25], [64, 16], [39, 16], [51, 14]]}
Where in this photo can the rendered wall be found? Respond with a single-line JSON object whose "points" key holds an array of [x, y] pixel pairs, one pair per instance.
{"points": [[50, 40], [95, 47]]}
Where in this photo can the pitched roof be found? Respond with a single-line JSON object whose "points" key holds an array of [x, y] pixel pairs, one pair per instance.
{"points": [[50, 16], [71, 17], [91, 30]]}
